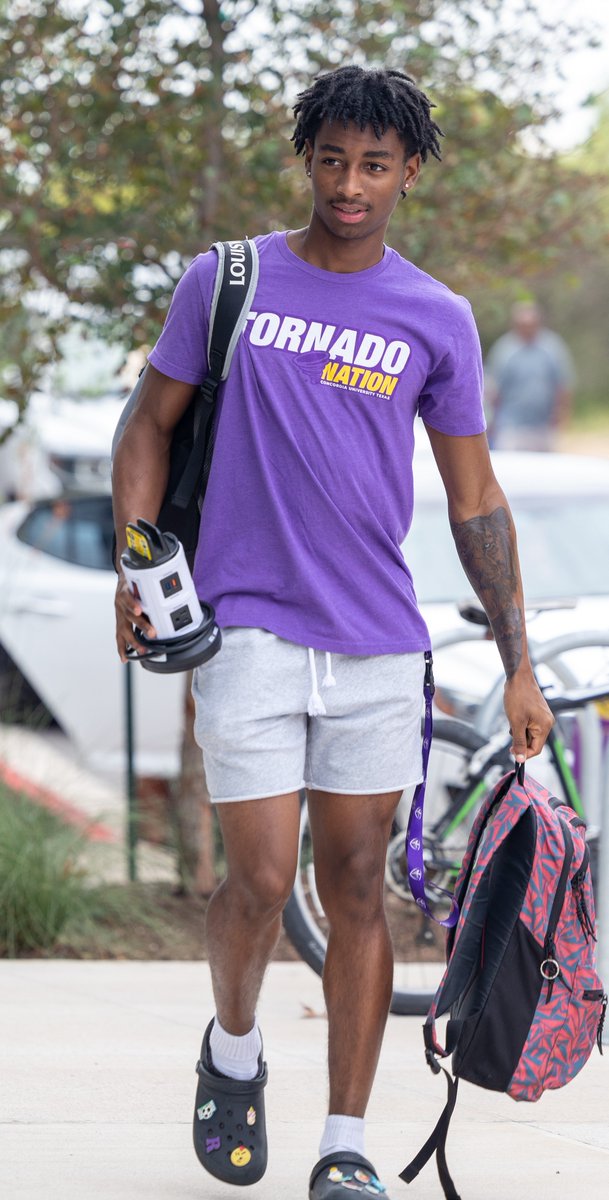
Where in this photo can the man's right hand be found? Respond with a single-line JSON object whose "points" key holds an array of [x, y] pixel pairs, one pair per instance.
{"points": [[129, 613], [139, 480]]}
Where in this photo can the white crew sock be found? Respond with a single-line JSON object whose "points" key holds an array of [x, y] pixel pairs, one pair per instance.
{"points": [[232, 1055], [342, 1133]]}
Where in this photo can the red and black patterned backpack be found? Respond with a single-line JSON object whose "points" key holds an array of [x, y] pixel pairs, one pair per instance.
{"points": [[525, 1002]]}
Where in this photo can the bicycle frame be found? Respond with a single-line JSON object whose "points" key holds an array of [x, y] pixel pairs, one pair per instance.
{"points": [[490, 711], [478, 783]]}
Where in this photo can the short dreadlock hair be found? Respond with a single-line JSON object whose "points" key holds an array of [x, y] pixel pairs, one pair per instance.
{"points": [[384, 99]]}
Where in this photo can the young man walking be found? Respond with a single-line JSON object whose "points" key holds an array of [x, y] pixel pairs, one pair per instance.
{"points": [[309, 499]]}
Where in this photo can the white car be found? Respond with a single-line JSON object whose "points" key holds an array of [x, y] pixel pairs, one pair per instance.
{"points": [[62, 445], [560, 504], [57, 633], [57, 586]]}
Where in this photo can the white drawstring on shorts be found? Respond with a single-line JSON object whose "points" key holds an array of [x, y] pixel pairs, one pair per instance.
{"points": [[328, 679], [315, 705]]}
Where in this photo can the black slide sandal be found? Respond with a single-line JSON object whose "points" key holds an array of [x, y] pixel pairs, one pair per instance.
{"points": [[229, 1130], [334, 1176]]}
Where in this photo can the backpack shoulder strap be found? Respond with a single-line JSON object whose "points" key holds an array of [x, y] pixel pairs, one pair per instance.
{"points": [[234, 288], [436, 1144]]}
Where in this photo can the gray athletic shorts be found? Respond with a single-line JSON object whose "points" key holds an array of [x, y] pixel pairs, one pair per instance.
{"points": [[272, 716]]}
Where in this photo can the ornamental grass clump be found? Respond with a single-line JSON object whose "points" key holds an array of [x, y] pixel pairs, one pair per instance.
{"points": [[42, 885]]}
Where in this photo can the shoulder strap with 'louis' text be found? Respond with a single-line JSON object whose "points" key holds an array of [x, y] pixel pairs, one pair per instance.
{"points": [[235, 284], [234, 287]]}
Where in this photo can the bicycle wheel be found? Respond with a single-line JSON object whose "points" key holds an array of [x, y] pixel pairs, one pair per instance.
{"points": [[454, 793]]}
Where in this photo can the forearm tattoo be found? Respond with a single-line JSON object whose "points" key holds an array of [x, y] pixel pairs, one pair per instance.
{"points": [[487, 551]]}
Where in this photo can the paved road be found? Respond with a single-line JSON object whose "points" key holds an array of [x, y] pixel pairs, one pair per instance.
{"points": [[97, 1086]]}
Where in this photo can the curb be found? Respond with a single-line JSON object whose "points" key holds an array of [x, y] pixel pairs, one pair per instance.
{"points": [[93, 830]]}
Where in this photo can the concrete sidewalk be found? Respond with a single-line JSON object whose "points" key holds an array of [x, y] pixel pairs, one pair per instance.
{"points": [[97, 1088]]}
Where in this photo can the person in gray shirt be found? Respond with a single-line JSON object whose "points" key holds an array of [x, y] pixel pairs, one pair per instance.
{"points": [[529, 381]]}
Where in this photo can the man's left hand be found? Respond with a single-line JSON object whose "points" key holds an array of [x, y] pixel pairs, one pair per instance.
{"points": [[528, 714]]}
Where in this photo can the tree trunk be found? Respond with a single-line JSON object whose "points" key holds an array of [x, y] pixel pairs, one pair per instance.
{"points": [[193, 812], [213, 170]]}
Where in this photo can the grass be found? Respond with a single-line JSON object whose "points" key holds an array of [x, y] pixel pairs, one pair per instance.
{"points": [[48, 900], [51, 907], [41, 883]]}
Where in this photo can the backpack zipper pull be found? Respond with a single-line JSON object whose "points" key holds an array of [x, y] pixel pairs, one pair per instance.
{"points": [[581, 908], [588, 927], [599, 1032], [549, 968]]}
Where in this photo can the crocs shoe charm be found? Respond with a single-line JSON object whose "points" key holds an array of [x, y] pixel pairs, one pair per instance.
{"points": [[335, 1175], [250, 1116], [212, 1143], [207, 1110], [240, 1156], [361, 1177]]}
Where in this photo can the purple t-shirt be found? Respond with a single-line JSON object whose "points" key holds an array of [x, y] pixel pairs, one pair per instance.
{"points": [[310, 493]]}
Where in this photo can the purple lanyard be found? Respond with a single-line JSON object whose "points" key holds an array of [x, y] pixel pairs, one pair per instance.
{"points": [[414, 833]]}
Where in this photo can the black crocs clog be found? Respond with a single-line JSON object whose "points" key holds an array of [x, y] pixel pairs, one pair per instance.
{"points": [[229, 1130], [337, 1174]]}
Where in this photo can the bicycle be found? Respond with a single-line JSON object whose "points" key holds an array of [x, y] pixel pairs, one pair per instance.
{"points": [[464, 766], [583, 752]]}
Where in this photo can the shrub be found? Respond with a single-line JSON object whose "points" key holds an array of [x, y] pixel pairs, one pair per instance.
{"points": [[42, 886]]}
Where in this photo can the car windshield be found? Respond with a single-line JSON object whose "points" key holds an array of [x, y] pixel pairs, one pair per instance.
{"points": [[76, 530], [563, 543]]}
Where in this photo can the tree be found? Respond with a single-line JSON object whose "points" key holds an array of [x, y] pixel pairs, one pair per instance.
{"points": [[577, 309], [120, 155], [136, 131]]}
